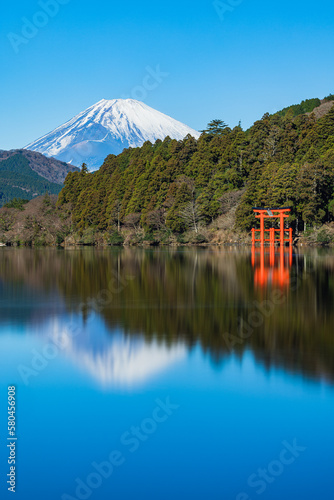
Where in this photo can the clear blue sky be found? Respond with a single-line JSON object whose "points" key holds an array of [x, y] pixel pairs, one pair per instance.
{"points": [[258, 56]]}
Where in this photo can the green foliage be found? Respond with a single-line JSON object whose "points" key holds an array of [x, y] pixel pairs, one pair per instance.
{"points": [[88, 236], [84, 169], [331, 208], [17, 203], [47, 200], [301, 175], [60, 237], [328, 98], [116, 238], [6, 219], [200, 238], [324, 237]]}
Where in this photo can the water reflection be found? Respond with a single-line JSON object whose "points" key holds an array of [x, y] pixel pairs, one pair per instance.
{"points": [[144, 309], [272, 265], [112, 360]]}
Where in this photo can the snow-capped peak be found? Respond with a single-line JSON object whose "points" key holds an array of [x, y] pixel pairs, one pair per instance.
{"points": [[108, 127]]}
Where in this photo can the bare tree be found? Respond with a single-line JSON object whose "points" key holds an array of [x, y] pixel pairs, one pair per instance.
{"points": [[155, 219], [230, 199], [270, 146], [132, 220], [191, 215]]}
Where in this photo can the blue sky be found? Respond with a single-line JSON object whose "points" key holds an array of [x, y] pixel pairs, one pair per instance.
{"points": [[233, 59]]}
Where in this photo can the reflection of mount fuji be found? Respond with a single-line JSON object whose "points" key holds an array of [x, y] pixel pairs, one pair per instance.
{"points": [[116, 359], [185, 297]]}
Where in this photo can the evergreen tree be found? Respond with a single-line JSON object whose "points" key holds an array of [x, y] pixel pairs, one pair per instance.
{"points": [[215, 127]]}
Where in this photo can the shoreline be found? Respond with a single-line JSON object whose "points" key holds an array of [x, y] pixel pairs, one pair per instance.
{"points": [[164, 245]]}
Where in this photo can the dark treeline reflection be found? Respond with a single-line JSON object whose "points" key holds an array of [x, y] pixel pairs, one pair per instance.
{"points": [[194, 296]]}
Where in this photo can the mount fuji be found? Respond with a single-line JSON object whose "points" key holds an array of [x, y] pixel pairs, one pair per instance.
{"points": [[106, 128]]}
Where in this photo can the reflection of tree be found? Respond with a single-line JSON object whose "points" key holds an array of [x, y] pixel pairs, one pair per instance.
{"points": [[193, 296]]}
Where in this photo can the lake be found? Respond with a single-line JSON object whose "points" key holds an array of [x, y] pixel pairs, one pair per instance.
{"points": [[168, 373]]}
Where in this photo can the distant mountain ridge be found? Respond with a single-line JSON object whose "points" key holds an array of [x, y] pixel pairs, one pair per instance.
{"points": [[26, 174], [51, 169], [108, 127]]}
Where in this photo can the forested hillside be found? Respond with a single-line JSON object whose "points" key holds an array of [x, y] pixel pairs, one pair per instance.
{"points": [[18, 180], [285, 159], [27, 174], [51, 169]]}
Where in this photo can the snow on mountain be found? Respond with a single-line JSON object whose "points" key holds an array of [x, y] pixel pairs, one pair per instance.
{"points": [[108, 127]]}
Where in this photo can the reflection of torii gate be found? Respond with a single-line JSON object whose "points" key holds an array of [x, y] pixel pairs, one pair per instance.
{"points": [[269, 268], [269, 213]]}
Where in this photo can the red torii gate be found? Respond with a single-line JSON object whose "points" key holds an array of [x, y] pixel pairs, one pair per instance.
{"points": [[269, 213]]}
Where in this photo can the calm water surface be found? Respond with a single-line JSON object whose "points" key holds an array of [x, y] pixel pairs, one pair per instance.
{"points": [[159, 374]]}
